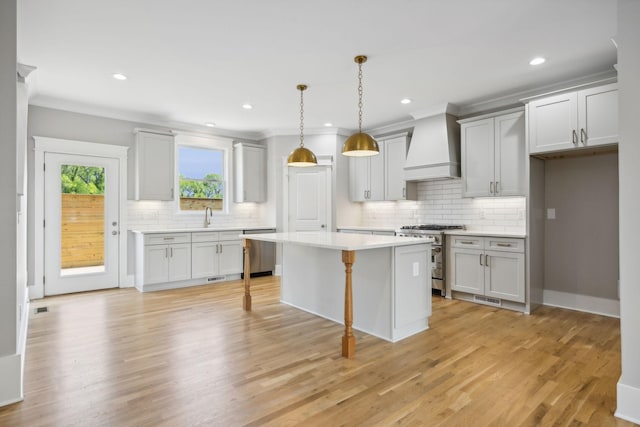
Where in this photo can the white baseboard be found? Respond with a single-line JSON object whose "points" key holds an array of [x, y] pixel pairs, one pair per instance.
{"points": [[628, 398], [11, 374], [586, 303]]}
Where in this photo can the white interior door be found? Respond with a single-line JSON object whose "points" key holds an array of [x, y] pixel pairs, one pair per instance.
{"points": [[81, 211], [309, 195]]}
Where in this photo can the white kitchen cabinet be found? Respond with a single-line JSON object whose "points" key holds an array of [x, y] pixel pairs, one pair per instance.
{"points": [[395, 155], [573, 120], [154, 166], [493, 155], [180, 259], [216, 253], [366, 178], [167, 258], [488, 266], [250, 173], [381, 177]]}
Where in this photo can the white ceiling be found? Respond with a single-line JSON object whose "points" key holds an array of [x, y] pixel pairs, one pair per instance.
{"points": [[196, 61]]}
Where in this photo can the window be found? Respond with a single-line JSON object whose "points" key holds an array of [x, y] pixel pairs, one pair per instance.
{"points": [[201, 176]]}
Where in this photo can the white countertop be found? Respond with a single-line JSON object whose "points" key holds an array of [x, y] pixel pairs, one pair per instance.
{"points": [[359, 227], [197, 230], [511, 234], [341, 241]]}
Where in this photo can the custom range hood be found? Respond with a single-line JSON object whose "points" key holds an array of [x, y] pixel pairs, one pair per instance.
{"points": [[434, 151]]}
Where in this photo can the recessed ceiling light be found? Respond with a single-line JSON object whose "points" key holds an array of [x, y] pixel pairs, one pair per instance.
{"points": [[247, 106], [210, 124], [405, 101], [328, 124], [537, 61], [119, 76]]}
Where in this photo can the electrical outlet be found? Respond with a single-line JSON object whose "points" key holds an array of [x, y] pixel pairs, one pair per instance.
{"points": [[551, 213], [416, 269]]}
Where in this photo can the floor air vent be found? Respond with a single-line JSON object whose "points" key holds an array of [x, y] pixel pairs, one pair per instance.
{"points": [[41, 310], [487, 300]]}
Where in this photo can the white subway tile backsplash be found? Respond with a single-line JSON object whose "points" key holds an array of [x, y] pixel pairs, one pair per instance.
{"points": [[441, 202], [152, 215]]}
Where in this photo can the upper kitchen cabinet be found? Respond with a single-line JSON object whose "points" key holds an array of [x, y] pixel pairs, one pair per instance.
{"points": [[250, 173], [154, 174], [579, 119], [366, 177], [380, 177], [493, 155]]}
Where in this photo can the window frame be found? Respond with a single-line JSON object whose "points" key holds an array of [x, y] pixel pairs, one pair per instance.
{"points": [[210, 143]]}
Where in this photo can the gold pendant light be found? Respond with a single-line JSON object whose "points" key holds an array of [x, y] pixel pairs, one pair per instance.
{"points": [[301, 156], [360, 144]]}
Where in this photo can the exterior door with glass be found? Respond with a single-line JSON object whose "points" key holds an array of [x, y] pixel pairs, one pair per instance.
{"points": [[81, 227]]}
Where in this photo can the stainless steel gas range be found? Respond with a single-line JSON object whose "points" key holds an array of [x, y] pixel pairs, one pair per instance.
{"points": [[438, 256]]}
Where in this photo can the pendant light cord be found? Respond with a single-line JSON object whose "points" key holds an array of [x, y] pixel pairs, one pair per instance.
{"points": [[301, 118], [360, 97]]}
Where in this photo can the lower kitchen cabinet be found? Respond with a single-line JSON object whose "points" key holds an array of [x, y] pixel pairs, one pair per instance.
{"points": [[173, 260], [216, 253], [167, 258], [488, 266]]}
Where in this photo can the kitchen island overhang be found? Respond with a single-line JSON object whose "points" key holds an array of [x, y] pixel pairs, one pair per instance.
{"points": [[380, 285]]}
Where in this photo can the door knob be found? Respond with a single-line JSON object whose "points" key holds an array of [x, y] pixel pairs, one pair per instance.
{"points": [[114, 223], [114, 232], [322, 226]]}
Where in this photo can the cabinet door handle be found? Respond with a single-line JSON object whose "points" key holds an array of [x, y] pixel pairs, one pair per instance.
{"points": [[504, 245], [220, 248], [486, 260], [404, 193], [171, 250], [466, 242], [574, 137], [166, 252], [491, 187], [217, 249], [497, 187], [583, 136], [480, 259], [168, 238]]}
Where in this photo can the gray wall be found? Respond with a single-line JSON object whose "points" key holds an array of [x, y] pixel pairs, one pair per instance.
{"points": [[628, 39], [8, 208], [581, 244]]}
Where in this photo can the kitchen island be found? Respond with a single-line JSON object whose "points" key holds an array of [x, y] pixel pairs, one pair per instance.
{"points": [[385, 291]]}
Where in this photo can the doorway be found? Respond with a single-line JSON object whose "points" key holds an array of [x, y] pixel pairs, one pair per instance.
{"points": [[81, 223], [80, 203]]}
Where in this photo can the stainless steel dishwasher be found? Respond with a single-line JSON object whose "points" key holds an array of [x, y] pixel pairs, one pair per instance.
{"points": [[262, 254]]}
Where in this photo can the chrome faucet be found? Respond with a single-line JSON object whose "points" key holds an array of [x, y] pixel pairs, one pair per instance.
{"points": [[207, 218]]}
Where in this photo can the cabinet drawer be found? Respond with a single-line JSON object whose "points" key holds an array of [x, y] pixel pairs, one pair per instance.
{"points": [[504, 244], [167, 239], [205, 236], [230, 235], [467, 242]]}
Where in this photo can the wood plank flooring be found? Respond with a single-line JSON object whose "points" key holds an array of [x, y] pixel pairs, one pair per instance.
{"points": [[192, 357]]}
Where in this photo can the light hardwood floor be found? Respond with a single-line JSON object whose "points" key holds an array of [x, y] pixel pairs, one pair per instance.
{"points": [[193, 357]]}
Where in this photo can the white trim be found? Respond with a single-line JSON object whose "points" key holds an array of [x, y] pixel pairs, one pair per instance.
{"points": [[585, 303], [64, 146], [628, 398], [11, 373]]}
